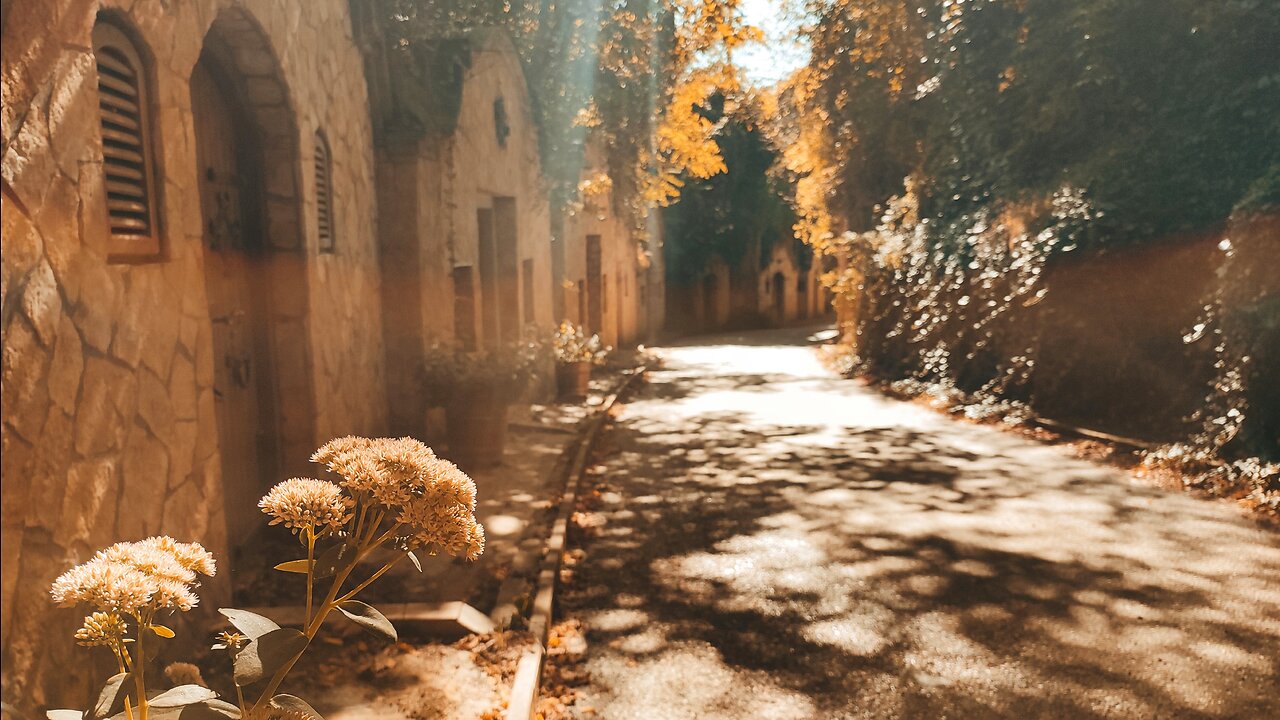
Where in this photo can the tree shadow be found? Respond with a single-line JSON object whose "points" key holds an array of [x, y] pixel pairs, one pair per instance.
{"points": [[868, 558]]}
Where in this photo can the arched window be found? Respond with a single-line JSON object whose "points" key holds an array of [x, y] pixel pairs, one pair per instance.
{"points": [[325, 226], [127, 156]]}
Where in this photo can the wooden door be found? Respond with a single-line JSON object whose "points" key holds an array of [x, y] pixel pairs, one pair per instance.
{"points": [[619, 334], [780, 297], [710, 293], [506, 235], [490, 316], [232, 256], [595, 286]]}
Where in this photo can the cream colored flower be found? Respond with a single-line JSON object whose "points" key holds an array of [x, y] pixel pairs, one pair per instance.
{"points": [[430, 496], [101, 628], [441, 525], [151, 560], [303, 502], [174, 594], [105, 584], [190, 555], [138, 577], [338, 447], [451, 484], [230, 639]]}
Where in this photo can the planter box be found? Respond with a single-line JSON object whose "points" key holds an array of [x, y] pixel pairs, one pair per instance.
{"points": [[476, 429], [573, 379]]}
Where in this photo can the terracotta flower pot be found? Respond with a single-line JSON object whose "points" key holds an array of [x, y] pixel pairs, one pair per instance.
{"points": [[573, 380], [476, 429]]}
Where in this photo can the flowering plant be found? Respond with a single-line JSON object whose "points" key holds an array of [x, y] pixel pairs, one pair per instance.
{"points": [[571, 345], [390, 494], [508, 370]]}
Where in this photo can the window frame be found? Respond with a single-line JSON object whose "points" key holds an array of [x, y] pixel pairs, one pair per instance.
{"points": [[112, 37], [323, 152]]}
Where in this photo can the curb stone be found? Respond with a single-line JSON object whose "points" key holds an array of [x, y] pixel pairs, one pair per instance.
{"points": [[528, 678]]}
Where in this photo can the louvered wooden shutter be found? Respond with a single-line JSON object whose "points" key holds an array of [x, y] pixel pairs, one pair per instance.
{"points": [[126, 148], [324, 195]]}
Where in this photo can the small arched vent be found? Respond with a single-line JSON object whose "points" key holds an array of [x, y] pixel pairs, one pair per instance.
{"points": [[126, 145], [324, 195]]}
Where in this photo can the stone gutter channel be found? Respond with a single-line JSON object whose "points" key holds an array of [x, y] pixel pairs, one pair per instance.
{"points": [[523, 696]]}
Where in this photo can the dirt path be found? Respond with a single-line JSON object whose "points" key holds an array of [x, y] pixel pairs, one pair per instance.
{"points": [[780, 543]]}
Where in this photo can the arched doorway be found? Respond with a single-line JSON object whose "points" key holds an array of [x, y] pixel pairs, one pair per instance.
{"points": [[254, 269]]}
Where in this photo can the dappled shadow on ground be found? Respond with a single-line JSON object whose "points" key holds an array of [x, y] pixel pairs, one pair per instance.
{"points": [[774, 542]]}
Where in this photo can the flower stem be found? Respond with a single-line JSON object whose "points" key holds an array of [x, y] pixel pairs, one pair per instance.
{"points": [[330, 602], [311, 561], [310, 629], [140, 672]]}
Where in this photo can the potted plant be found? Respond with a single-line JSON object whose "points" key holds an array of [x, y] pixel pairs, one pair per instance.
{"points": [[476, 389], [575, 355]]}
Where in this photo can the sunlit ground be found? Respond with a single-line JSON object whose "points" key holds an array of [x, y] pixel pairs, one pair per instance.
{"points": [[781, 543]]}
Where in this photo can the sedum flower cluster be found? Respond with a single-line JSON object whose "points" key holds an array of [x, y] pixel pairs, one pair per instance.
{"points": [[300, 503], [571, 345], [391, 494], [430, 502], [102, 629], [136, 578]]}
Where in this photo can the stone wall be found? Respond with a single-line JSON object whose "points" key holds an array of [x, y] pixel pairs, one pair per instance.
{"points": [[713, 298], [1111, 353], [109, 425]]}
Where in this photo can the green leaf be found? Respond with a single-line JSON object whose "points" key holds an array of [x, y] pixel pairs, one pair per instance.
{"points": [[334, 557], [296, 704], [252, 625], [266, 654], [295, 566], [209, 710], [212, 709], [182, 696], [368, 617], [161, 630], [414, 559], [64, 714], [111, 697]]}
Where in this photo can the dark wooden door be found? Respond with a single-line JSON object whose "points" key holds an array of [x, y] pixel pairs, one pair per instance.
{"points": [[232, 259], [624, 293], [779, 297], [490, 315], [506, 237], [595, 285], [710, 298]]}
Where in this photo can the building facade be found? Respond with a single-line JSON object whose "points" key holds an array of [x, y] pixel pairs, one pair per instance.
{"points": [[190, 280], [465, 225], [789, 287], [608, 282], [212, 263]]}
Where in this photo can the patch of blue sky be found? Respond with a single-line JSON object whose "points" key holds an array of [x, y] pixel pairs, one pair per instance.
{"points": [[783, 50]]}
